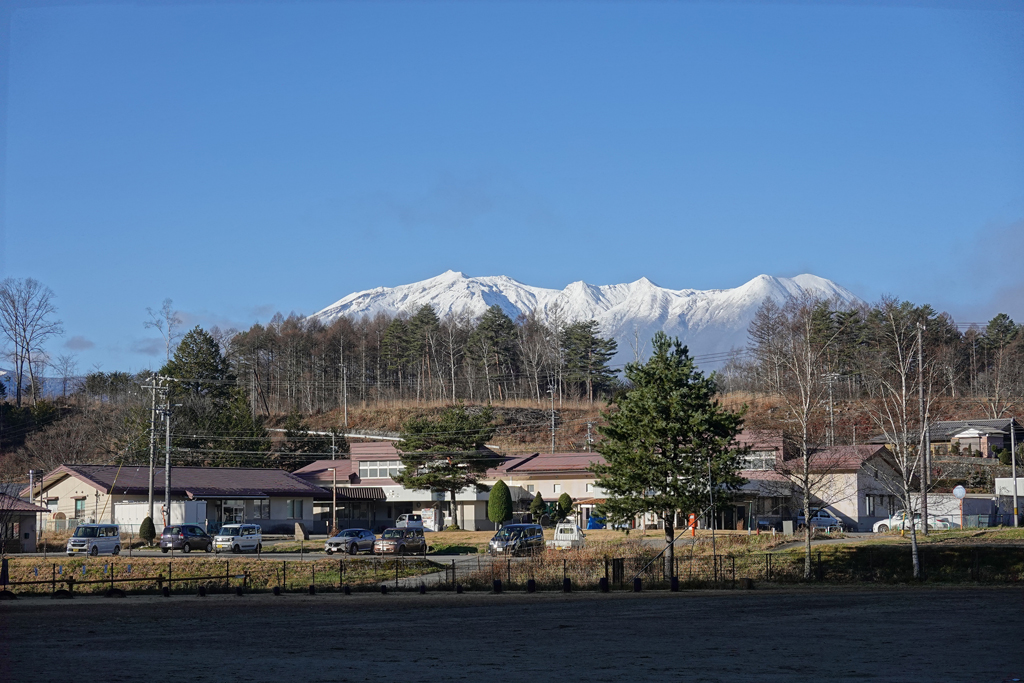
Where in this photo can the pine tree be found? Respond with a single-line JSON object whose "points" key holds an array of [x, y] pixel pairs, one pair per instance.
{"points": [[499, 504], [538, 507], [586, 357], [667, 433], [492, 345], [446, 454]]}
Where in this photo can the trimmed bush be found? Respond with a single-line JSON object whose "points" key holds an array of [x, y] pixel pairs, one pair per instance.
{"points": [[499, 503], [147, 531], [564, 505], [538, 507]]}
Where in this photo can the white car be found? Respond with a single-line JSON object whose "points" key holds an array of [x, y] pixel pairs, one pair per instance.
{"points": [[567, 537], [821, 519], [898, 522], [95, 539], [238, 538]]}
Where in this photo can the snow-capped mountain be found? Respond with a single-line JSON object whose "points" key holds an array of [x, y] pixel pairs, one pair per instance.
{"points": [[711, 322]]}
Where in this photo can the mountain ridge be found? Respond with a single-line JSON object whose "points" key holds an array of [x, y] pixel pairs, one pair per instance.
{"points": [[710, 321]]}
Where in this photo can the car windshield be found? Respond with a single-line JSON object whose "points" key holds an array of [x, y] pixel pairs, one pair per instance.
{"points": [[86, 532], [393, 533], [230, 531], [508, 533], [347, 534]]}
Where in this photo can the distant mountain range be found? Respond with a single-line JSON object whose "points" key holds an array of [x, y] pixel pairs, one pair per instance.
{"points": [[712, 322]]}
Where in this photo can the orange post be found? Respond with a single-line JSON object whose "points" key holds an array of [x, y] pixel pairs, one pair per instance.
{"points": [[693, 524]]}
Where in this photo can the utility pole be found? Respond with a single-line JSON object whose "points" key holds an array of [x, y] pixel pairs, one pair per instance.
{"points": [[551, 390], [344, 391], [1013, 465], [166, 412], [152, 438], [831, 412], [925, 445], [588, 437], [32, 499]]}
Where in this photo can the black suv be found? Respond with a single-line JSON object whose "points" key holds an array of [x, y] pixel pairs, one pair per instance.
{"points": [[185, 537], [517, 539]]}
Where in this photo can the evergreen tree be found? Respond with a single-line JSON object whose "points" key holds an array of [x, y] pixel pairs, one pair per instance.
{"points": [[667, 432], [538, 507], [564, 505], [499, 504], [586, 357], [147, 531], [446, 454], [301, 447], [493, 346]]}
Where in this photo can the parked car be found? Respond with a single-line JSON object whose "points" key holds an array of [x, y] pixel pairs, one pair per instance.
{"points": [[400, 542], [821, 519], [899, 522], [350, 541], [185, 537], [239, 538], [95, 539], [409, 521], [517, 539], [567, 536]]}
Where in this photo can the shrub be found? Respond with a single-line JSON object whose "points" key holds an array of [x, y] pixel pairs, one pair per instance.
{"points": [[538, 507], [147, 531], [499, 503], [564, 505]]}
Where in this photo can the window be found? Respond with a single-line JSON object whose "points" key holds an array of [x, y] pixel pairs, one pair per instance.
{"points": [[378, 469], [529, 487], [558, 488], [261, 509], [294, 509], [759, 460], [869, 506], [80, 508], [590, 488]]}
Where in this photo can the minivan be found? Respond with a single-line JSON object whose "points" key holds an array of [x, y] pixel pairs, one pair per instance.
{"points": [[239, 537], [517, 539], [95, 539], [409, 521]]}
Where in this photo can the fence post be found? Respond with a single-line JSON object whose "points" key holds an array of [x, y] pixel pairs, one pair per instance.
{"points": [[821, 574], [284, 575], [341, 573], [509, 572], [169, 584], [733, 560]]}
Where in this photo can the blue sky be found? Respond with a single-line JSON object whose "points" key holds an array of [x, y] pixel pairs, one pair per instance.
{"points": [[246, 158]]}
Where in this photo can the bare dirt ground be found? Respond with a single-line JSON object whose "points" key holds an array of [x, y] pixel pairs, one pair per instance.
{"points": [[906, 634]]}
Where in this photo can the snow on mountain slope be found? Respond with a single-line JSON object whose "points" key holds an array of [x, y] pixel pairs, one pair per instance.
{"points": [[710, 322]]}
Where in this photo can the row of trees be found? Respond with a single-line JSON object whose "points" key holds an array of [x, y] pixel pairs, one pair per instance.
{"points": [[302, 364]]}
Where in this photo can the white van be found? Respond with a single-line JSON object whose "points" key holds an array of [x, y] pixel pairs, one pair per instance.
{"points": [[95, 539], [239, 537], [409, 521]]}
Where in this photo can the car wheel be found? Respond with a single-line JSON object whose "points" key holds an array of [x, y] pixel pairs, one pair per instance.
{"points": [[236, 549], [353, 549], [329, 551], [94, 551], [71, 554], [163, 550], [186, 548], [209, 547], [401, 550], [117, 550], [882, 528]]}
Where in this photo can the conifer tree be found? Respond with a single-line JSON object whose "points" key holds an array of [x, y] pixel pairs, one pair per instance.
{"points": [[147, 531], [564, 505], [499, 503], [666, 435], [538, 507], [446, 454]]}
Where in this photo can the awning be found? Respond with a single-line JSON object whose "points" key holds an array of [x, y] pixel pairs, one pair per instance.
{"points": [[361, 493]]}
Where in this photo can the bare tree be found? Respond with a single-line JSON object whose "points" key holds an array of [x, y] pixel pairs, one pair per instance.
{"points": [[792, 345], [895, 407], [27, 321], [166, 321], [66, 368]]}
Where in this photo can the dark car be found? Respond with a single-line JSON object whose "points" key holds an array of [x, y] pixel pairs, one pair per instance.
{"points": [[350, 541], [400, 542], [185, 537], [517, 539]]}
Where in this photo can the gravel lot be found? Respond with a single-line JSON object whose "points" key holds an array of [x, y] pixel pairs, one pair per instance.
{"points": [[899, 634]]}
